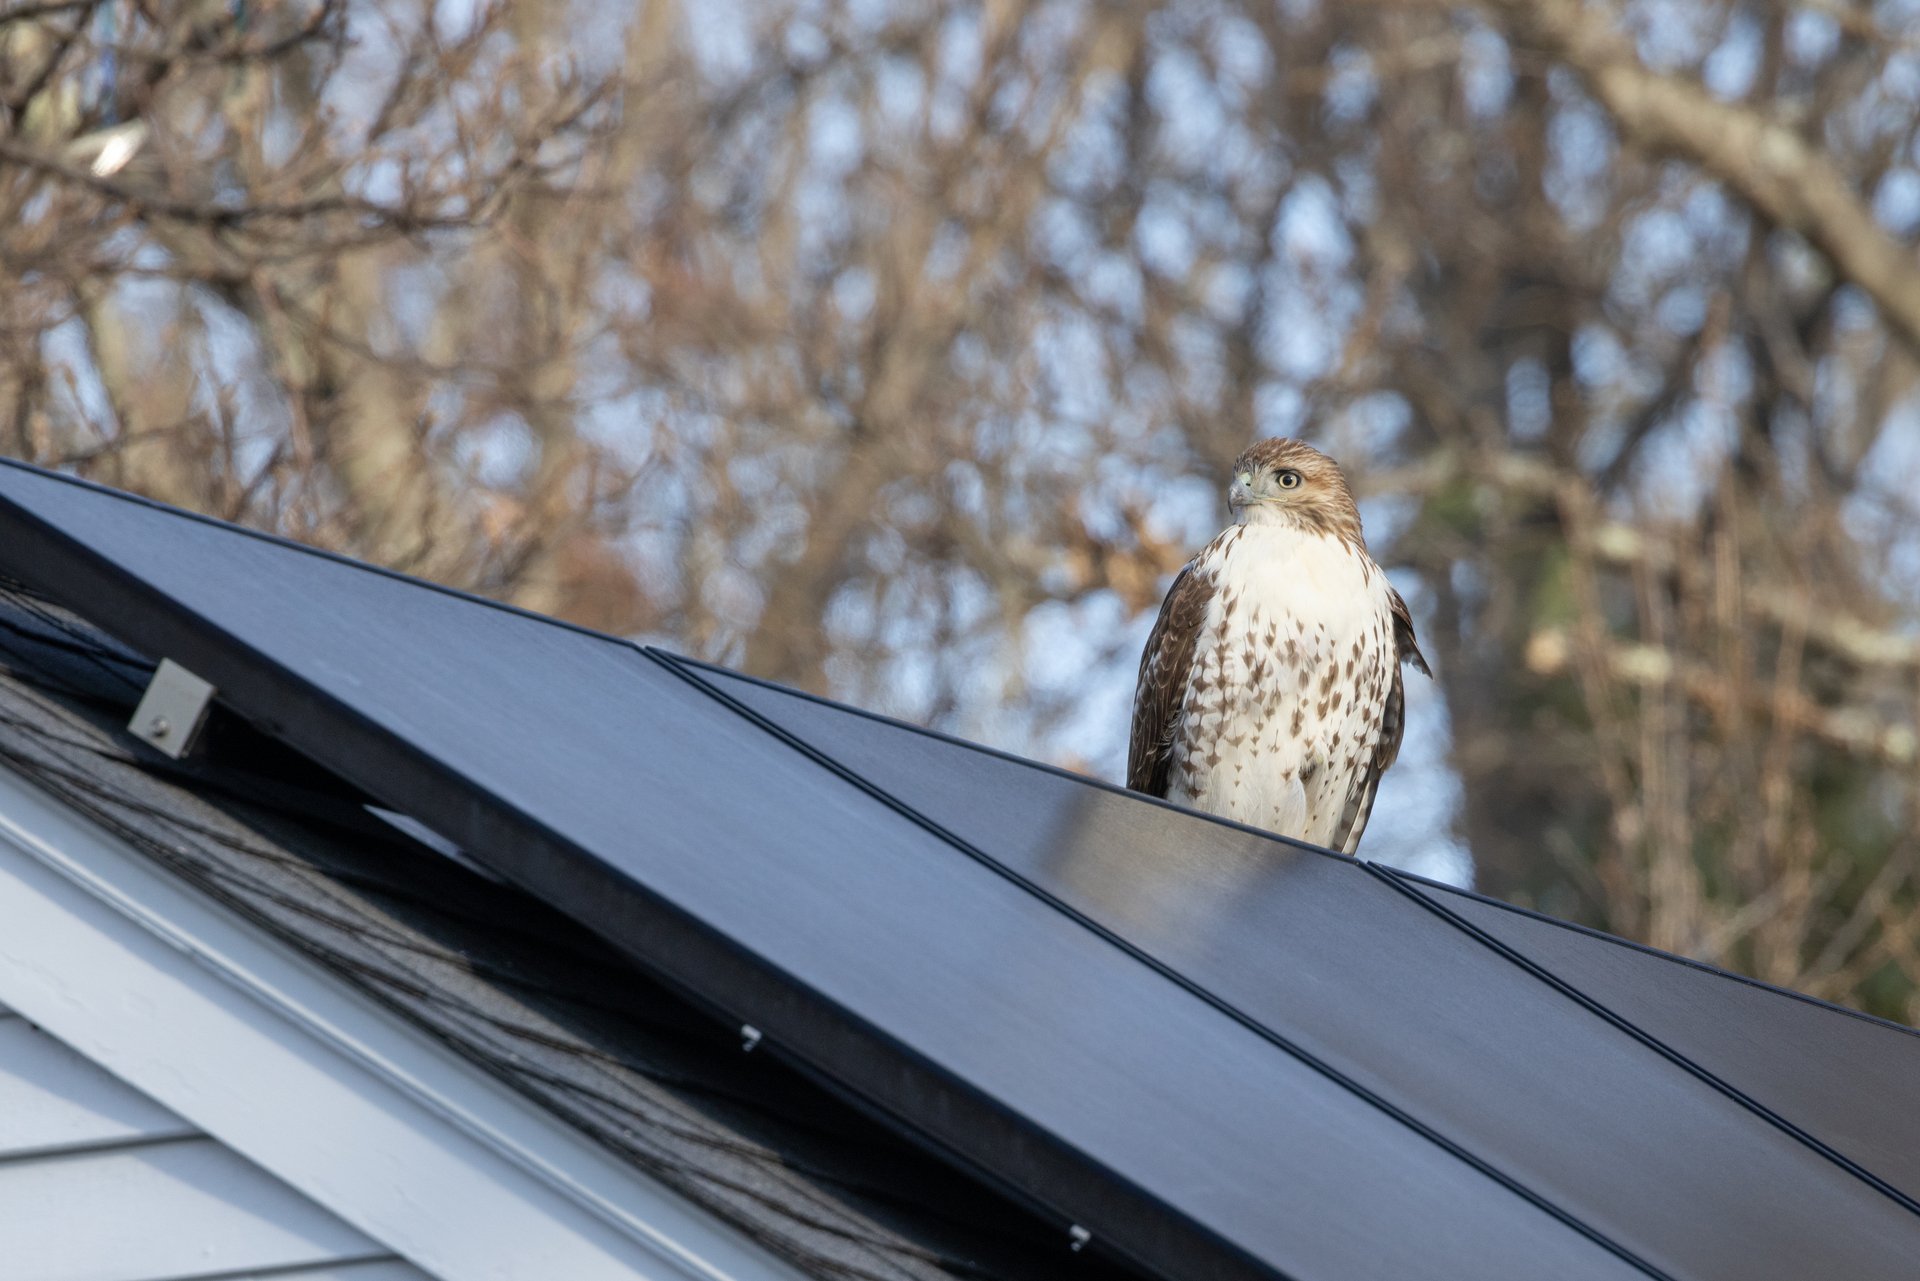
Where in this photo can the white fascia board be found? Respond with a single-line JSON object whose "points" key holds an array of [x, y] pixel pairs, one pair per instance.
{"points": [[312, 1080]]}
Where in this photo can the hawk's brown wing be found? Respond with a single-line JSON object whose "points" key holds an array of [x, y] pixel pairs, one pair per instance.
{"points": [[1393, 727], [1164, 666], [1404, 643]]}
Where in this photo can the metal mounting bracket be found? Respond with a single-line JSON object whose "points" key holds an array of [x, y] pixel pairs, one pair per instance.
{"points": [[172, 710]]}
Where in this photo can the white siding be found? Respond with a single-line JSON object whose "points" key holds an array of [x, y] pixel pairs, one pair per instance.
{"points": [[100, 1183], [51, 1099], [372, 1270]]}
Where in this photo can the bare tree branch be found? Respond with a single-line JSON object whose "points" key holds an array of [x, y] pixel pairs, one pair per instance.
{"points": [[1770, 163]]}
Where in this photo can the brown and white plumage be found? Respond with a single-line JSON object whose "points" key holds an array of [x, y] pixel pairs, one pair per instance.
{"points": [[1270, 691]]}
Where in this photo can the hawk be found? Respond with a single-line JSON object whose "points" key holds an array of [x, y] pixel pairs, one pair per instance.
{"points": [[1270, 690]]}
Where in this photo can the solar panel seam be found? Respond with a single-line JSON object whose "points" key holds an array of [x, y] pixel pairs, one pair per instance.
{"points": [[1653, 1043], [1027, 762], [1692, 963], [1048, 840], [1260, 1029]]}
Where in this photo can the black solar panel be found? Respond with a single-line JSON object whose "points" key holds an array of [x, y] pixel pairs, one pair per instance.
{"points": [[1349, 966], [933, 986], [1851, 1081]]}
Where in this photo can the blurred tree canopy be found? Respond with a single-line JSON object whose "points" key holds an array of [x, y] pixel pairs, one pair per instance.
{"points": [[897, 350]]}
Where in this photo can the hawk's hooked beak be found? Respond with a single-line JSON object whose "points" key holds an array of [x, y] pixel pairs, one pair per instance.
{"points": [[1240, 494]]}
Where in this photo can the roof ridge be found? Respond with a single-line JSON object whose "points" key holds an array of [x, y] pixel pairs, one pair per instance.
{"points": [[1012, 758], [323, 553]]}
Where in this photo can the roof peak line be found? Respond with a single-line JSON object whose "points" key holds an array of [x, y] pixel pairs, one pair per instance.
{"points": [[323, 553]]}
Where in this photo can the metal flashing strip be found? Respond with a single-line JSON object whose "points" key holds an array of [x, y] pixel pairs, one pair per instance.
{"points": [[173, 710], [251, 1042]]}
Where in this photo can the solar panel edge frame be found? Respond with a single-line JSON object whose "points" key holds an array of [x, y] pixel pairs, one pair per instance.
{"points": [[305, 549], [1674, 958], [1027, 762], [1150, 1234], [1672, 1054]]}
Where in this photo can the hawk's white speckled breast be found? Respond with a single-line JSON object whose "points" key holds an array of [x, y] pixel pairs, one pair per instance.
{"points": [[1290, 677]]}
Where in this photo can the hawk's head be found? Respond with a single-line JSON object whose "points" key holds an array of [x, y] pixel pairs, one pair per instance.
{"points": [[1286, 482]]}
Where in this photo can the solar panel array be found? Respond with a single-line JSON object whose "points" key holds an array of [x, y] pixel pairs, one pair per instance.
{"points": [[1219, 1054]]}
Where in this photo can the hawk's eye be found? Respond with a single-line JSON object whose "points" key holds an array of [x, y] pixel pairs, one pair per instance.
{"points": [[1289, 478]]}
